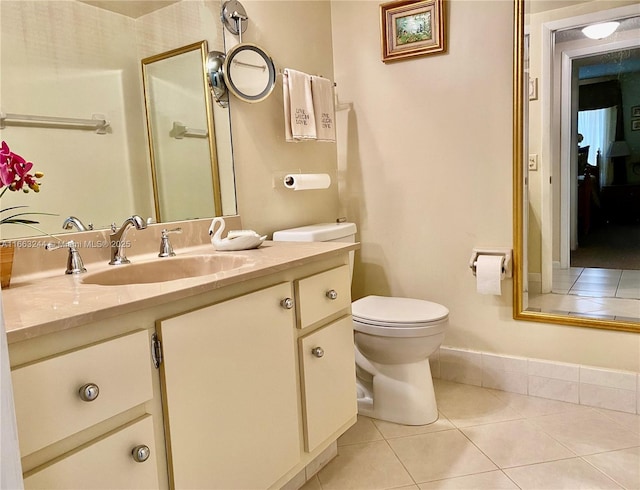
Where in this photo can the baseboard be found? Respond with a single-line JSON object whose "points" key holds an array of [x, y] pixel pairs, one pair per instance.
{"points": [[573, 383]]}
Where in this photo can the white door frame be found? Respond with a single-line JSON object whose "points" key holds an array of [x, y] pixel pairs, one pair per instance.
{"points": [[554, 143]]}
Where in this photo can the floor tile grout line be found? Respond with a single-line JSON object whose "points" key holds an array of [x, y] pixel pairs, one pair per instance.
{"points": [[610, 418], [615, 294], [605, 474], [400, 461], [444, 430], [575, 455], [526, 418], [497, 468], [593, 409], [510, 479], [478, 448], [502, 468], [573, 292]]}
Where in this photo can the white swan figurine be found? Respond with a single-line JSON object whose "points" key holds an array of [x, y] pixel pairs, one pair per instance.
{"points": [[244, 240]]}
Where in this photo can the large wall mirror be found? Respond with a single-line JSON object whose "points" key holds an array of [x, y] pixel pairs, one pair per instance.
{"points": [[577, 163], [73, 60]]}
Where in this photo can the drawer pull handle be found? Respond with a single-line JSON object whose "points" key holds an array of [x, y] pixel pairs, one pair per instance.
{"points": [[89, 392], [317, 351], [141, 453], [287, 303], [332, 294]]}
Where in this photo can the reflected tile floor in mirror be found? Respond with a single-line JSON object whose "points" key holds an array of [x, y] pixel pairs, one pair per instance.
{"points": [[611, 294], [489, 439]]}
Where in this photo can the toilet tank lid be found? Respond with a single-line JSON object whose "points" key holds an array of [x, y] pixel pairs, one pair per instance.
{"points": [[398, 310], [316, 233]]}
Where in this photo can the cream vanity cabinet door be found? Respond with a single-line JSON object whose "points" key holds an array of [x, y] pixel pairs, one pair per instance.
{"points": [[328, 380], [108, 463], [229, 380]]}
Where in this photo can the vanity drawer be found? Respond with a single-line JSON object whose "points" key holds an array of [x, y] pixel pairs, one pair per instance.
{"points": [[106, 463], [324, 294], [328, 372], [47, 393]]}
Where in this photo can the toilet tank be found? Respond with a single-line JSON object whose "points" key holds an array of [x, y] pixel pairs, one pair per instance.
{"points": [[322, 232]]}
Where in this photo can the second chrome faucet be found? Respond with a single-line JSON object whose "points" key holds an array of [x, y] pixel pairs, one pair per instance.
{"points": [[117, 238]]}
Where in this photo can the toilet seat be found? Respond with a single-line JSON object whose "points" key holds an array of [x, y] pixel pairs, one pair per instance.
{"points": [[398, 317]]}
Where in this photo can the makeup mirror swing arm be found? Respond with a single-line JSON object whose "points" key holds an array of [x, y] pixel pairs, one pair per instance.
{"points": [[520, 92], [219, 64], [235, 19]]}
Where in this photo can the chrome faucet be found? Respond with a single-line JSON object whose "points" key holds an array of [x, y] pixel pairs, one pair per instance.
{"points": [[117, 239], [74, 261], [72, 221], [166, 250]]}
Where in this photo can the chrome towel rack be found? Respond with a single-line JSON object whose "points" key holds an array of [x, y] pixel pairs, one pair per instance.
{"points": [[97, 122], [180, 131]]}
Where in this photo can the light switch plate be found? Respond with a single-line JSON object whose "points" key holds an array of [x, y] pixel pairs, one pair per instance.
{"points": [[533, 162]]}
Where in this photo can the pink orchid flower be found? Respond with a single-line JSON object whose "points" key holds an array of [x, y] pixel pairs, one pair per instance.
{"points": [[14, 174]]}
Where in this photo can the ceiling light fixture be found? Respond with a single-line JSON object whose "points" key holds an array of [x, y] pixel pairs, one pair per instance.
{"points": [[600, 31]]}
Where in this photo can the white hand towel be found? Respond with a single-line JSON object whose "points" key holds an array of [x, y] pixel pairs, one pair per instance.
{"points": [[322, 91], [299, 117]]}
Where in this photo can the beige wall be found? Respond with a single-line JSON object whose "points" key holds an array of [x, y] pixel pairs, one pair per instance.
{"points": [[297, 35], [429, 177]]}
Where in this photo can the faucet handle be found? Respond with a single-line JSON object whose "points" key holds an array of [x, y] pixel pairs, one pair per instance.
{"points": [[74, 261], [166, 232], [166, 250]]}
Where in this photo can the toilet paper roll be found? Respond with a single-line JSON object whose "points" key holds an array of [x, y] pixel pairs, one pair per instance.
{"points": [[489, 274], [303, 182]]}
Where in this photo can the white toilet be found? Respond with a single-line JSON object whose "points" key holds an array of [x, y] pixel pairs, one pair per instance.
{"points": [[394, 338]]}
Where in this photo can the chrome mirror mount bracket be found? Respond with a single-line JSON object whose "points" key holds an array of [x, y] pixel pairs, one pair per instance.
{"points": [[234, 17], [215, 76]]}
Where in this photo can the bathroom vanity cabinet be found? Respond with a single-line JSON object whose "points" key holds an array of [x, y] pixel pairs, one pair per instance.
{"points": [[233, 388], [255, 379]]}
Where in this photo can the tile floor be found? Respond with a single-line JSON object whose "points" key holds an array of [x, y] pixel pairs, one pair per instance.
{"points": [[598, 293], [611, 283], [488, 439]]}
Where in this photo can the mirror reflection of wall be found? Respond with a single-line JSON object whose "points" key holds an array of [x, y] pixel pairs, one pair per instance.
{"points": [[583, 258], [71, 59]]}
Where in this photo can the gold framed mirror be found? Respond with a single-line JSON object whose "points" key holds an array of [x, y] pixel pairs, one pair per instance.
{"points": [[555, 65], [181, 134]]}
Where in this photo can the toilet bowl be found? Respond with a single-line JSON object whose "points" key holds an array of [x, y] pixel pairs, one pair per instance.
{"points": [[393, 337]]}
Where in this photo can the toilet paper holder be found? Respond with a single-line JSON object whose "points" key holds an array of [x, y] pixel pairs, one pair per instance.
{"points": [[506, 253]]}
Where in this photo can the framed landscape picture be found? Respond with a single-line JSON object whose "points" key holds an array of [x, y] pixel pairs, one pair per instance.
{"points": [[411, 28]]}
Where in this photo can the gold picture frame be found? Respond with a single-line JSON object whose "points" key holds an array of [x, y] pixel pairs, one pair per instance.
{"points": [[411, 28]]}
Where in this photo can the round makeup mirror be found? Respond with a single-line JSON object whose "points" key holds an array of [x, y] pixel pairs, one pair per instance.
{"points": [[249, 72]]}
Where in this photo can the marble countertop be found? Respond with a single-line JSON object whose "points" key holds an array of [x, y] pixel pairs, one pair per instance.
{"points": [[35, 306]]}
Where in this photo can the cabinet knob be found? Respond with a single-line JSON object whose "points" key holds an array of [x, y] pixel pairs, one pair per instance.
{"points": [[317, 351], [89, 392], [332, 294], [287, 303], [141, 453]]}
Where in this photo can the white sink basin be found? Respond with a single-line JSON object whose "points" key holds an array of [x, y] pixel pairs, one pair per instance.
{"points": [[166, 269]]}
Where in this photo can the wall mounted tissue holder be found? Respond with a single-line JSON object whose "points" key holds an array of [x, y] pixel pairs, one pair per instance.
{"points": [[507, 263]]}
